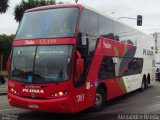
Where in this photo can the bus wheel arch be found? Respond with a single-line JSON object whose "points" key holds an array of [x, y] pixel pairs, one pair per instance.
{"points": [[103, 86]]}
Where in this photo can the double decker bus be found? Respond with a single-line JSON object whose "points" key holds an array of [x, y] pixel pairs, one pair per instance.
{"points": [[67, 58]]}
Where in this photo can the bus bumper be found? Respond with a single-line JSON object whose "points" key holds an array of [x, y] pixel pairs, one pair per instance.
{"points": [[59, 105]]}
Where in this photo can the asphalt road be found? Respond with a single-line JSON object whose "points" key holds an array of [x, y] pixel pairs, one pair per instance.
{"points": [[146, 102]]}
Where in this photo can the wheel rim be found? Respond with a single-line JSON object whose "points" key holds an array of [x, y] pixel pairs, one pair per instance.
{"points": [[98, 100]]}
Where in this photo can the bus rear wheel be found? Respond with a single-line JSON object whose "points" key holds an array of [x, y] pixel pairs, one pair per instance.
{"points": [[99, 100], [146, 84], [143, 85]]}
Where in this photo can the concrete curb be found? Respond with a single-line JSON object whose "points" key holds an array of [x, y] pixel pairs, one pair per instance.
{"points": [[3, 89]]}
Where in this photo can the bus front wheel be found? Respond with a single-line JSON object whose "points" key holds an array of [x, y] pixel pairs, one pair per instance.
{"points": [[99, 100]]}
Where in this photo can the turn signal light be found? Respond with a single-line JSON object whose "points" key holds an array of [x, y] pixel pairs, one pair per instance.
{"points": [[59, 94], [14, 91]]}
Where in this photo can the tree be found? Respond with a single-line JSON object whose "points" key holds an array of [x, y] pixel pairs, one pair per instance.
{"points": [[76, 1], [3, 6], [24, 5], [5, 47], [60, 2]]}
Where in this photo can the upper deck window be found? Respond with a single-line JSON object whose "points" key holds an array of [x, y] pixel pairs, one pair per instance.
{"points": [[50, 23]]}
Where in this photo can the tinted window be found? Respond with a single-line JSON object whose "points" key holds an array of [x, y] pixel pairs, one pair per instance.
{"points": [[49, 23], [105, 25], [132, 66], [92, 45], [107, 68], [119, 30], [130, 36], [89, 23], [129, 66]]}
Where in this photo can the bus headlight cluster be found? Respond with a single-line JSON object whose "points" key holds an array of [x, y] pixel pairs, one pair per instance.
{"points": [[14, 91], [59, 94]]}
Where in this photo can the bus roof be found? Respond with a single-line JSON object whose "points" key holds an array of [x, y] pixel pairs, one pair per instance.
{"points": [[55, 6], [116, 20], [80, 6]]}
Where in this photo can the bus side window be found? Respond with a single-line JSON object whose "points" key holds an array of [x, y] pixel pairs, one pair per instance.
{"points": [[92, 42], [134, 66], [87, 46], [82, 45], [107, 68]]}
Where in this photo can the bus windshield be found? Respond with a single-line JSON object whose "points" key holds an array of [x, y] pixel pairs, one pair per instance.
{"points": [[50, 23], [41, 64]]}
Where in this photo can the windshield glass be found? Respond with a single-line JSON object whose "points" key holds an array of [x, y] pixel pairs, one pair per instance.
{"points": [[22, 62], [51, 23], [41, 64]]}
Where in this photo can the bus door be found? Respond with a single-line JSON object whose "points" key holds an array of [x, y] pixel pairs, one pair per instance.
{"points": [[79, 83], [79, 96]]}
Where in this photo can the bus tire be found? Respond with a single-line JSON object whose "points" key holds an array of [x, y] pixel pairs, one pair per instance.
{"points": [[100, 100], [148, 81], [146, 84], [143, 85]]}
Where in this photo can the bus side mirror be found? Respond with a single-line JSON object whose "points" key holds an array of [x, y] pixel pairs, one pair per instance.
{"points": [[80, 66]]}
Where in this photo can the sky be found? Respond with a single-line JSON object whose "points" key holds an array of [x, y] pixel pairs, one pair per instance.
{"points": [[149, 9]]}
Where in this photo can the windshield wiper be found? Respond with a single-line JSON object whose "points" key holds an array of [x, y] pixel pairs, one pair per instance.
{"points": [[39, 76]]}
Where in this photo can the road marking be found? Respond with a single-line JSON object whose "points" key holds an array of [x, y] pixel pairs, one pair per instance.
{"points": [[9, 109]]}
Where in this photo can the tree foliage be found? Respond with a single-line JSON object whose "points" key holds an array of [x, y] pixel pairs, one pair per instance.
{"points": [[6, 42], [28, 4], [3, 6], [5, 47]]}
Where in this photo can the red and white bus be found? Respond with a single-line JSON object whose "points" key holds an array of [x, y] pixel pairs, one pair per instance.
{"points": [[67, 58]]}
